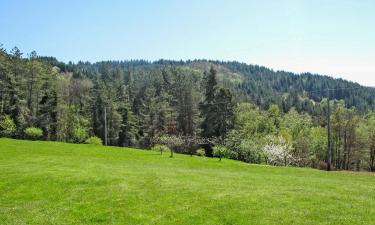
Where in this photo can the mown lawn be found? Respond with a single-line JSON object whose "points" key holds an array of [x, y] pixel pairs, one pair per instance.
{"points": [[59, 183]]}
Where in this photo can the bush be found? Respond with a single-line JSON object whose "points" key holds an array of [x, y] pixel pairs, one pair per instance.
{"points": [[80, 135], [33, 133], [220, 151], [201, 152], [94, 140], [7, 126], [161, 148], [324, 166]]}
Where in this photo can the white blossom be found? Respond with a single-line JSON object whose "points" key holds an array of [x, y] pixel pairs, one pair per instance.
{"points": [[277, 152]]}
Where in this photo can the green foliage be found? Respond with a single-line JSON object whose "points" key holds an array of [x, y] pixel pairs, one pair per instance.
{"points": [[317, 145], [201, 152], [94, 140], [138, 101], [274, 117], [80, 134], [217, 108], [249, 150], [366, 133], [161, 148], [33, 133], [220, 151], [7, 126]]}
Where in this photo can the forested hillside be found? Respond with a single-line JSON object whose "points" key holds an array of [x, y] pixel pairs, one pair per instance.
{"points": [[248, 112]]}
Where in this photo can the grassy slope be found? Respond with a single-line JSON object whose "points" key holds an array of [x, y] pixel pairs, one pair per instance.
{"points": [[58, 183]]}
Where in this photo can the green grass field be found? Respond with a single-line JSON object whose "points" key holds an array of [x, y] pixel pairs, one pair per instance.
{"points": [[59, 183]]}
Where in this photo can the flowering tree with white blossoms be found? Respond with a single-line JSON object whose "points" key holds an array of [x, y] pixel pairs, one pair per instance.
{"points": [[172, 141], [277, 151]]}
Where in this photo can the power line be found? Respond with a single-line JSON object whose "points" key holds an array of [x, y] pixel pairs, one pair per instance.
{"points": [[329, 134]]}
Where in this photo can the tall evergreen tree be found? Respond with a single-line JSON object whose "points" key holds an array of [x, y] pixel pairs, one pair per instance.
{"points": [[208, 108]]}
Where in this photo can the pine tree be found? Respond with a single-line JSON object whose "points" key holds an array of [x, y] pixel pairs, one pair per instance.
{"points": [[208, 108]]}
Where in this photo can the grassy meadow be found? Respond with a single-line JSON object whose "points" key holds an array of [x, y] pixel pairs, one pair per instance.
{"points": [[60, 183]]}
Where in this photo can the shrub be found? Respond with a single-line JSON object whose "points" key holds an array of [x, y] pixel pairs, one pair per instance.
{"points": [[80, 135], [94, 140], [33, 133], [7, 126], [324, 166], [201, 152], [220, 151], [161, 148], [249, 150]]}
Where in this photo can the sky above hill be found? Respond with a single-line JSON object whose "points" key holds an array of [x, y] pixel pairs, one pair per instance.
{"points": [[329, 37]]}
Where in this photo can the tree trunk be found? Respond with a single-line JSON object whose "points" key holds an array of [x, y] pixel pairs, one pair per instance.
{"points": [[2, 103], [31, 86], [285, 160], [339, 152]]}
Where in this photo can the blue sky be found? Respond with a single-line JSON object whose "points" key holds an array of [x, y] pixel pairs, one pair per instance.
{"points": [[331, 37]]}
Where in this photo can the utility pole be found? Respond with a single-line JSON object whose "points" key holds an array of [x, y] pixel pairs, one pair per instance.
{"points": [[2, 102], [105, 125], [224, 122], [329, 133], [172, 132]]}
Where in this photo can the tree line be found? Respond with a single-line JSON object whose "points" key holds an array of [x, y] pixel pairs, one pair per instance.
{"points": [[223, 109]]}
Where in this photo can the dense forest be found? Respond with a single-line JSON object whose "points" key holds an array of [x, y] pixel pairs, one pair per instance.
{"points": [[244, 112]]}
